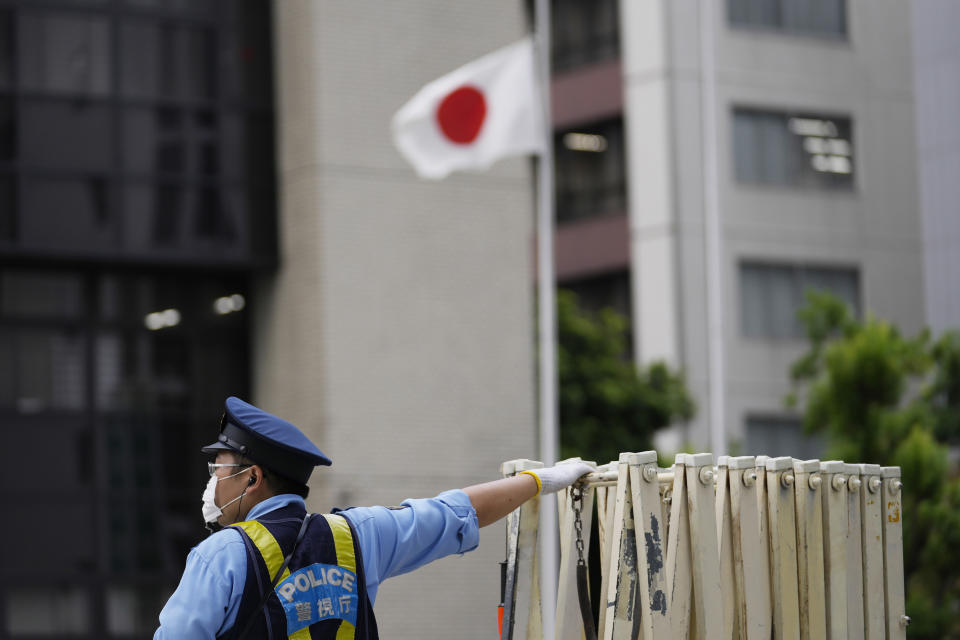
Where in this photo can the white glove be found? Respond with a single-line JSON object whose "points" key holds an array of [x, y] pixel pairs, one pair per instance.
{"points": [[561, 476]]}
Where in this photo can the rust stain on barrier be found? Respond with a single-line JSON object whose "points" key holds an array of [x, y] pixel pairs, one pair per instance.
{"points": [[893, 514]]}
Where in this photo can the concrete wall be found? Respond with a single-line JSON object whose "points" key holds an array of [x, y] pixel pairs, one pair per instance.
{"points": [[875, 226], [937, 81], [398, 332]]}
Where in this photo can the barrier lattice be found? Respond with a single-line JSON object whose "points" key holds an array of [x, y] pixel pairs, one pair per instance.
{"points": [[752, 548]]}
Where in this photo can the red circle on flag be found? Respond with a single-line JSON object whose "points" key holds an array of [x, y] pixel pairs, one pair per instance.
{"points": [[461, 114]]}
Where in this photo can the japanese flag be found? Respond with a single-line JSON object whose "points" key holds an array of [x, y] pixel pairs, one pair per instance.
{"points": [[473, 116]]}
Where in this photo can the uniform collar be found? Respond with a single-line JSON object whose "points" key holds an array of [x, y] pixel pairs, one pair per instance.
{"points": [[273, 503]]}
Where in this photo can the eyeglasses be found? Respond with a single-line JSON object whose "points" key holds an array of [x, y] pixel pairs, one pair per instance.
{"points": [[213, 466]]}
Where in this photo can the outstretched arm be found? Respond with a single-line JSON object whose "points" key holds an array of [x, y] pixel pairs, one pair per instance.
{"points": [[494, 500]]}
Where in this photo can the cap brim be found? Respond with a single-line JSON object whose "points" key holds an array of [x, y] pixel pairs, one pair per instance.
{"points": [[217, 447]]}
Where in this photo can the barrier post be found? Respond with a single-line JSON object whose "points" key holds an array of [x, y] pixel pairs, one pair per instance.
{"points": [[522, 601], [835, 529], [705, 560], [651, 546], [606, 500], [892, 494], [783, 548], [679, 577], [750, 561], [855, 623], [871, 520], [568, 623], [807, 482], [724, 518]]}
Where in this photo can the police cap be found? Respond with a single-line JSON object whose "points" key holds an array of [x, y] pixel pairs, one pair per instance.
{"points": [[267, 440]]}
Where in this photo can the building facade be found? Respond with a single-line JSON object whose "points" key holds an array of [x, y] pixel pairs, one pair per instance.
{"points": [[200, 198], [767, 148], [937, 84], [157, 255], [136, 202]]}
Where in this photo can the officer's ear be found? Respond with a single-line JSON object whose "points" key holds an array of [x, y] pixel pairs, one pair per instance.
{"points": [[256, 477]]}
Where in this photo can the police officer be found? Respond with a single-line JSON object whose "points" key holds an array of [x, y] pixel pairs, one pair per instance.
{"points": [[271, 570]]}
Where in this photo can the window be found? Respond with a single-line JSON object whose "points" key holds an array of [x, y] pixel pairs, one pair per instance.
{"points": [[7, 130], [584, 32], [61, 134], [108, 397], [139, 129], [590, 171], [775, 436], [64, 53], [828, 17], [603, 292], [48, 610], [792, 149], [6, 49], [8, 203], [771, 295], [166, 61]]}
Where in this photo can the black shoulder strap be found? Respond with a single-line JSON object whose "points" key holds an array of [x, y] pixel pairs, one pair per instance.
{"points": [[276, 578]]}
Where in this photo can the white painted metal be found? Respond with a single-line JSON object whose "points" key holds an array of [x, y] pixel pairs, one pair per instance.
{"points": [[705, 560], [871, 510], [833, 532], [651, 545], [606, 499], [807, 483], [522, 608], [679, 578], [891, 492], [834, 495], [724, 518], [750, 560], [783, 549], [620, 611], [855, 622]]}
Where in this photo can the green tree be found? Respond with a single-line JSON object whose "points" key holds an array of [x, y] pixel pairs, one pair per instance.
{"points": [[882, 398], [607, 405]]}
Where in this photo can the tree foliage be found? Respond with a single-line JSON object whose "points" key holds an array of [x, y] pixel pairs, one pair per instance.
{"points": [[882, 398], [607, 405]]}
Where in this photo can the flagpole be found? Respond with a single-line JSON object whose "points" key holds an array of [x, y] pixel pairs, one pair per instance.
{"points": [[547, 322]]}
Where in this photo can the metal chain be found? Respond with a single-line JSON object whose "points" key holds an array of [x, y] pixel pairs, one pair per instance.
{"points": [[577, 497]]}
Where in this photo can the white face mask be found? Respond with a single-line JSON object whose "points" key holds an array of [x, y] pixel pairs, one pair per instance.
{"points": [[211, 512]]}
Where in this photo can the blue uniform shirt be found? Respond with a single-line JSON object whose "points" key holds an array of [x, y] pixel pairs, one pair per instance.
{"points": [[392, 542]]}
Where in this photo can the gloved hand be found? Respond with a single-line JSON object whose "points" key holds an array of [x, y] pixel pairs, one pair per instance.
{"points": [[561, 476]]}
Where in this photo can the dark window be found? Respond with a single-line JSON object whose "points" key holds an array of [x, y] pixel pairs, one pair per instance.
{"points": [[169, 61], [777, 436], [6, 49], [584, 32], [113, 400], [793, 149], [611, 291], [66, 214], [61, 134], [8, 208], [795, 16], [590, 171], [771, 295], [165, 140], [8, 128], [64, 53], [31, 294], [140, 129]]}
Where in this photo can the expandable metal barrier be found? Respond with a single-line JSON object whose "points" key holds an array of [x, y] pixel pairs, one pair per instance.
{"points": [[753, 548]]}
